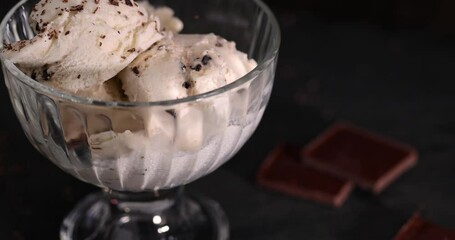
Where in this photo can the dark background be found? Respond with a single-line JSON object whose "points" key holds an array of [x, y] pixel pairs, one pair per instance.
{"points": [[387, 65]]}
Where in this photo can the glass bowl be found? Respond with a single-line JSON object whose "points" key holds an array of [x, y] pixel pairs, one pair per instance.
{"points": [[140, 153]]}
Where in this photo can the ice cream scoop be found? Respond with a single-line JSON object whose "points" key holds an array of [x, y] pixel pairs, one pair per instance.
{"points": [[184, 65], [81, 44]]}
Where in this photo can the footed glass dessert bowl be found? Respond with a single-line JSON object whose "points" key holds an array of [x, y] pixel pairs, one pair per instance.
{"points": [[142, 153]]}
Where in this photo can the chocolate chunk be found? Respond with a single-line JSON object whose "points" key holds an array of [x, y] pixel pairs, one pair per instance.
{"points": [[369, 160], [418, 228], [129, 3], [114, 2], [136, 70], [206, 59], [188, 84], [196, 68], [284, 171]]}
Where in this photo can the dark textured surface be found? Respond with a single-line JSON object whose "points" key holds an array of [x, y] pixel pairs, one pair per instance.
{"points": [[397, 81]]}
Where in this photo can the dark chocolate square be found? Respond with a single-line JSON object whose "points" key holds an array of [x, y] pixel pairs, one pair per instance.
{"points": [[283, 171], [418, 228], [369, 160]]}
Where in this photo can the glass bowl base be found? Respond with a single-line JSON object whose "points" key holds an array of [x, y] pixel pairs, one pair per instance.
{"points": [[121, 216]]}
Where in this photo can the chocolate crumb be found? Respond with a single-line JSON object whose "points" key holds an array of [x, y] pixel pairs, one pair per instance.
{"points": [[188, 84], [136, 70], [97, 1], [103, 36], [132, 50], [123, 57], [79, 76], [67, 32], [119, 12], [114, 2], [129, 3], [37, 28], [197, 68], [140, 13], [34, 9], [118, 32], [173, 114], [101, 44], [206, 59], [43, 12]]}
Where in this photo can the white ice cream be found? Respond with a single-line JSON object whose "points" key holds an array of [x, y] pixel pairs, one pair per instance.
{"points": [[184, 65], [166, 16], [120, 50], [180, 66], [81, 44]]}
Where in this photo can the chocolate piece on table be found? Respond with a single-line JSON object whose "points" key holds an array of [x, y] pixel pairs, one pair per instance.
{"points": [[418, 228], [284, 171], [367, 159]]}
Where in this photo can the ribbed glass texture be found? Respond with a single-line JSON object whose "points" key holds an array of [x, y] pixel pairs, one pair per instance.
{"points": [[149, 146]]}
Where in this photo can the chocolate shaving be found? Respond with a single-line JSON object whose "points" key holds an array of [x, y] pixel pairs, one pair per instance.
{"points": [[129, 3], [67, 32], [132, 50], [196, 68], [206, 59], [140, 13], [136, 70], [114, 2], [96, 10], [103, 36], [77, 8]]}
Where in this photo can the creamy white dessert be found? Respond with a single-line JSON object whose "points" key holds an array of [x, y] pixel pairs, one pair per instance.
{"points": [[120, 50], [81, 44]]}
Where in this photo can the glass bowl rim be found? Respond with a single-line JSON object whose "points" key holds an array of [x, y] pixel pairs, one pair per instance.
{"points": [[37, 86]]}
